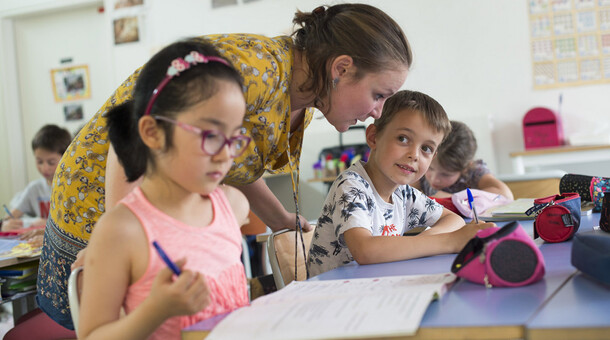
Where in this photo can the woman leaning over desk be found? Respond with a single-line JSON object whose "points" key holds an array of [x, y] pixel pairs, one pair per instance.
{"points": [[344, 60]]}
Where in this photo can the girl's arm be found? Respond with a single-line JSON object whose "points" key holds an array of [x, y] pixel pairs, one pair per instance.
{"points": [[270, 210], [490, 183], [117, 255], [239, 204]]}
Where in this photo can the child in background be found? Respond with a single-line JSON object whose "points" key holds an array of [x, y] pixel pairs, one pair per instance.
{"points": [[369, 202], [30, 208], [181, 132], [454, 168]]}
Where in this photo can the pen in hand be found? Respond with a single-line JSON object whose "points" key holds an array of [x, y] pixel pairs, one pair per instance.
{"points": [[471, 203], [166, 259], [8, 211]]}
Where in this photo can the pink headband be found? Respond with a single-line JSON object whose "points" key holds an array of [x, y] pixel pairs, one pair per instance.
{"points": [[177, 66]]}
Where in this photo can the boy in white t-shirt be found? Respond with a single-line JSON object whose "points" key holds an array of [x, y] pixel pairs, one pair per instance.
{"points": [[30, 208], [370, 203]]}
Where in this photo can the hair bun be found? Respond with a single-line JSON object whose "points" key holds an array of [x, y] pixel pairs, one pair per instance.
{"points": [[319, 11]]}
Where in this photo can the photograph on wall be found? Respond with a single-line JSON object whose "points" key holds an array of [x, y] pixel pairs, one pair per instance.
{"points": [[126, 30], [127, 3], [222, 3], [71, 83], [73, 112]]}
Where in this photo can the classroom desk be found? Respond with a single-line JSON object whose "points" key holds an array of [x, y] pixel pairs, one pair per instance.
{"points": [[579, 310], [471, 311], [559, 155]]}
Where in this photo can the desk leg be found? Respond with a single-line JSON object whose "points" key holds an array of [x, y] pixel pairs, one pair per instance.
{"points": [[23, 306], [518, 166]]}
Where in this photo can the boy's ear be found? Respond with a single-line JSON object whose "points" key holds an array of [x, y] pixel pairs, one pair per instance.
{"points": [[152, 135], [371, 136], [341, 65]]}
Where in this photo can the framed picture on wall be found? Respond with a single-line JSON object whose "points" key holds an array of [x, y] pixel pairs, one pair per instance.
{"points": [[73, 112], [126, 30], [127, 3], [71, 83]]}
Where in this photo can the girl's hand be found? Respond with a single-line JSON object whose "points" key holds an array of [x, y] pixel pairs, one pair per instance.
{"points": [[467, 232], [186, 295], [12, 224], [80, 259]]}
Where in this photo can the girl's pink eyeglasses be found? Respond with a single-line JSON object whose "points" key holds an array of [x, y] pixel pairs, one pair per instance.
{"points": [[213, 141]]}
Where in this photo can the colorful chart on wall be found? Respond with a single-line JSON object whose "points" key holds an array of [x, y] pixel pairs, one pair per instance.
{"points": [[570, 42]]}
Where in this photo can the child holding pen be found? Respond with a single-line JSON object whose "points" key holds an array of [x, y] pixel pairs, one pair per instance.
{"points": [[30, 208], [181, 132], [370, 205]]}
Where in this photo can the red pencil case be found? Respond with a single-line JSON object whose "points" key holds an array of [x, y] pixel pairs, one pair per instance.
{"points": [[557, 217]]}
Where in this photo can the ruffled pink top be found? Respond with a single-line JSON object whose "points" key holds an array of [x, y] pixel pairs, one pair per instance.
{"points": [[215, 251]]}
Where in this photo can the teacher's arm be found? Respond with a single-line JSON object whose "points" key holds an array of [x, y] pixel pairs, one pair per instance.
{"points": [[268, 208]]}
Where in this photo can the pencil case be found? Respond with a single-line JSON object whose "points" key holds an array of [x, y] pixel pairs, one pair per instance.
{"points": [[590, 188], [557, 217], [591, 255], [500, 257]]}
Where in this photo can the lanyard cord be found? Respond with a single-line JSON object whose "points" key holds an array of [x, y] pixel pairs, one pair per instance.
{"points": [[298, 226]]}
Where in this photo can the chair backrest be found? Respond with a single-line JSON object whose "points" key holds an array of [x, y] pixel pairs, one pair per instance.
{"points": [[74, 295], [280, 247]]}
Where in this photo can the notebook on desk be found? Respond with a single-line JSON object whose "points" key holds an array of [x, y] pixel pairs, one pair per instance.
{"points": [[347, 308], [515, 211]]}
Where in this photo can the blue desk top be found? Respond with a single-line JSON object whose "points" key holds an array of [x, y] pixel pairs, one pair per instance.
{"points": [[472, 305], [582, 302]]}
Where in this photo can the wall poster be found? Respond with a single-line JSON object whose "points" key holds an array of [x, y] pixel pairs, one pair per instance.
{"points": [[570, 42]]}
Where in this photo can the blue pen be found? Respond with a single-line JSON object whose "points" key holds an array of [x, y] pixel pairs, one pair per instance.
{"points": [[471, 203], [166, 259], [8, 211]]}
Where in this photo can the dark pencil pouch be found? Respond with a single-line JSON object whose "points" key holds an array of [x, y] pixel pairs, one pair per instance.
{"points": [[557, 217], [590, 188], [500, 257], [591, 255]]}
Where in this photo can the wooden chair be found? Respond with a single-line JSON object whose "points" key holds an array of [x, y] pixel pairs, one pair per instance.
{"points": [[280, 248]]}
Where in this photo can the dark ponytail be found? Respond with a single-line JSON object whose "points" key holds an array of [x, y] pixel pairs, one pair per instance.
{"points": [[123, 133]]}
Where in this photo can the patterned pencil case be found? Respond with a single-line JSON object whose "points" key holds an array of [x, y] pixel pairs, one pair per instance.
{"points": [[590, 188], [557, 217]]}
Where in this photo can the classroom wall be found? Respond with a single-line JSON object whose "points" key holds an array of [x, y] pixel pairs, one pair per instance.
{"points": [[473, 56]]}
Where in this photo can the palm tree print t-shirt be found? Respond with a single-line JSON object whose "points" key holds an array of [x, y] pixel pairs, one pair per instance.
{"points": [[353, 202]]}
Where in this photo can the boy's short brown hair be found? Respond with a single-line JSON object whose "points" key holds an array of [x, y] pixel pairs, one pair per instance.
{"points": [[52, 138], [430, 109]]}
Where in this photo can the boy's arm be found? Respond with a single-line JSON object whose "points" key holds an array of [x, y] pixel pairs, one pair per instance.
{"points": [[448, 222], [490, 183], [369, 249]]}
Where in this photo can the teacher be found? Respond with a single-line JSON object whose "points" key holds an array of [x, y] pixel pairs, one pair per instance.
{"points": [[344, 60]]}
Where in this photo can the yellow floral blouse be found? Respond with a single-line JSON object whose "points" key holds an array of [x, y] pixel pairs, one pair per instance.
{"points": [[78, 194]]}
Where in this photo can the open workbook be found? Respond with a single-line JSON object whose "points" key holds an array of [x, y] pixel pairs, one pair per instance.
{"points": [[350, 308]]}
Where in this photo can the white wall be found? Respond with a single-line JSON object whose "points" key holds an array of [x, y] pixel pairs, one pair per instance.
{"points": [[471, 55]]}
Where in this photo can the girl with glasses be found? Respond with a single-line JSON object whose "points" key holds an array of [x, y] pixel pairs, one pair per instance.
{"points": [[180, 134]]}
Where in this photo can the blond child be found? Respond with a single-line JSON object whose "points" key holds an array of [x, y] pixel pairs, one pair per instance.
{"points": [[370, 205]]}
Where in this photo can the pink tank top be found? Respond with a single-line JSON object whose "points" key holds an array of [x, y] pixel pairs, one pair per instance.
{"points": [[214, 250]]}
